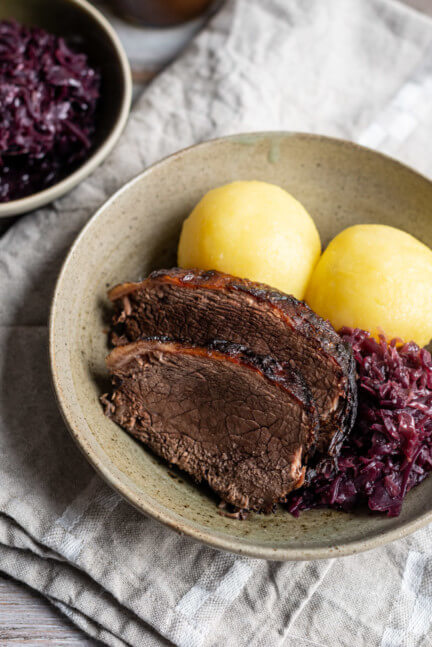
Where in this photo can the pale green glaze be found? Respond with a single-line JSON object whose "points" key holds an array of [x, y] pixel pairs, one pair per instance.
{"points": [[79, 22], [274, 153], [340, 184]]}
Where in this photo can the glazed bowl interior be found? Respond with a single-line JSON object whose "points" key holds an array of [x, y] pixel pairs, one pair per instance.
{"points": [[340, 184], [85, 30]]}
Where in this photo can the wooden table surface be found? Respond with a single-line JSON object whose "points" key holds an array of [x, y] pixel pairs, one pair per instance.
{"points": [[26, 618]]}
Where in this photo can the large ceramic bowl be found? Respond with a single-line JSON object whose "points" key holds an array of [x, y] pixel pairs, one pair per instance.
{"points": [[84, 27], [340, 184]]}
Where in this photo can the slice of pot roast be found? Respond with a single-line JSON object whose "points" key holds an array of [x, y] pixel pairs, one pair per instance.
{"points": [[199, 306], [241, 423]]}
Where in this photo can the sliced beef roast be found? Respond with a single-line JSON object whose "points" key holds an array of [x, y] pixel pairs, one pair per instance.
{"points": [[242, 423], [198, 306]]}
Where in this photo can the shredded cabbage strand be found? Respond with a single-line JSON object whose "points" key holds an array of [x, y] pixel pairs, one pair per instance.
{"points": [[389, 450], [48, 97]]}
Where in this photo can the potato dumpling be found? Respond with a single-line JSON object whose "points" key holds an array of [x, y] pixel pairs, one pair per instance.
{"points": [[378, 278], [253, 230]]}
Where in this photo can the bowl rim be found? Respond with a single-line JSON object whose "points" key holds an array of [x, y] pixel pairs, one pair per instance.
{"points": [[51, 193], [247, 547]]}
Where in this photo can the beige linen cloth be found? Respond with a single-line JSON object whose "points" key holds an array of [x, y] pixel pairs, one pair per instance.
{"points": [[359, 69]]}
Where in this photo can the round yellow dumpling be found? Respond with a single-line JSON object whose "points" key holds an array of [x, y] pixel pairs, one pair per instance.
{"points": [[378, 278], [253, 230]]}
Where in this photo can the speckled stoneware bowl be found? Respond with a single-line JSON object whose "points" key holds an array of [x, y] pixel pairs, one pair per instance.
{"points": [[340, 184], [85, 28]]}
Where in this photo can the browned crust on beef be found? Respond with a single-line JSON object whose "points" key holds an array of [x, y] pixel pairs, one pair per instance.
{"points": [[320, 335], [254, 472]]}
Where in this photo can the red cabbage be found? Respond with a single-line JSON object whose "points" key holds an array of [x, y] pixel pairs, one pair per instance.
{"points": [[48, 97], [389, 450]]}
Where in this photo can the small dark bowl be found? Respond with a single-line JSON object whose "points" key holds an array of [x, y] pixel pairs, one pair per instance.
{"points": [[84, 27]]}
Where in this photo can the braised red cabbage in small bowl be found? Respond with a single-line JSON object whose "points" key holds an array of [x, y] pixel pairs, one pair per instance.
{"points": [[64, 98]]}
